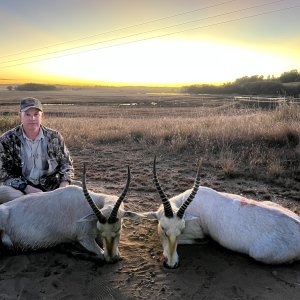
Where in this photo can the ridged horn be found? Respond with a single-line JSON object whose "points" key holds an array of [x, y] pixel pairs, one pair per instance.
{"points": [[192, 195], [102, 219], [113, 215], [164, 198]]}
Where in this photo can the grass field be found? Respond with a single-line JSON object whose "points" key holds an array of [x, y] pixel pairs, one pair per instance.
{"points": [[242, 138]]}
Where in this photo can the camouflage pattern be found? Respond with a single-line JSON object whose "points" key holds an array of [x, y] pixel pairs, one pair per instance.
{"points": [[12, 165]]}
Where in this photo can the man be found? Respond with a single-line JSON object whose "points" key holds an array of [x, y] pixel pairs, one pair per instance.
{"points": [[33, 158]]}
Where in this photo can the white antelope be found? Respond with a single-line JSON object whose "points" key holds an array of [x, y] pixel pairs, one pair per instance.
{"points": [[266, 231], [47, 219]]}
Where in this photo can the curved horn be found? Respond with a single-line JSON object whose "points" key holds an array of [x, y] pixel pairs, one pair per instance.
{"points": [[96, 210], [191, 197], [164, 198], [113, 216]]}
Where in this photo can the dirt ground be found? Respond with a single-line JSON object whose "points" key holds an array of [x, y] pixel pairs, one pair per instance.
{"points": [[207, 271]]}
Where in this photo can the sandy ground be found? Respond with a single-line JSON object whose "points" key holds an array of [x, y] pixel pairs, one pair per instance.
{"points": [[207, 271]]}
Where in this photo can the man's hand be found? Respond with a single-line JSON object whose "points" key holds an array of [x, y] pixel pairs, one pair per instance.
{"points": [[30, 189], [64, 184]]}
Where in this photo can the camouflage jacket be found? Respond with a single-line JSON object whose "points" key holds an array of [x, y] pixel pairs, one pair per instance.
{"points": [[12, 163]]}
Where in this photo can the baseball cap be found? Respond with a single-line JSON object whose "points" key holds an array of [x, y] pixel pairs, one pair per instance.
{"points": [[30, 102]]}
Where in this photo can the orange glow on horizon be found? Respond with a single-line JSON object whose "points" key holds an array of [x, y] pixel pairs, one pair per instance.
{"points": [[153, 63], [154, 43]]}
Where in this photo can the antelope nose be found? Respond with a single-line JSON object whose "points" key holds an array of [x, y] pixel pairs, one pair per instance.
{"points": [[167, 266]]}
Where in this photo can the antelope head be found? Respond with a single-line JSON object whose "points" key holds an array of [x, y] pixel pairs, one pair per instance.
{"points": [[171, 222], [108, 220]]}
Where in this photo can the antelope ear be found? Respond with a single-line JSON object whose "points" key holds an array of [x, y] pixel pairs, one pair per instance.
{"points": [[151, 215], [88, 218], [189, 217]]}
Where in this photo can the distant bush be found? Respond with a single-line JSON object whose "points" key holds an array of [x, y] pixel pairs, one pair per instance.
{"points": [[291, 76], [262, 88], [35, 87]]}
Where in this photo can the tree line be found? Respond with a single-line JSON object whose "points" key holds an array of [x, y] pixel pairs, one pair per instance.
{"points": [[33, 87], [287, 84]]}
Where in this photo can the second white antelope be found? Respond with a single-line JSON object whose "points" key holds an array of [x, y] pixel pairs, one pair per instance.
{"points": [[266, 231], [43, 220]]}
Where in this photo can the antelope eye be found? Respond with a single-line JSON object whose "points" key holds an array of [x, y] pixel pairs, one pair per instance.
{"points": [[163, 229]]}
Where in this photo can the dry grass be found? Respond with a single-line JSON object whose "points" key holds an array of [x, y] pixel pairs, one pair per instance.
{"points": [[260, 143]]}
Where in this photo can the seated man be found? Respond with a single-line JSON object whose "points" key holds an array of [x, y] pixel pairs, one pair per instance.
{"points": [[33, 158]]}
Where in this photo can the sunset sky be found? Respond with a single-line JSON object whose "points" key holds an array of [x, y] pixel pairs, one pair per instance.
{"points": [[136, 42]]}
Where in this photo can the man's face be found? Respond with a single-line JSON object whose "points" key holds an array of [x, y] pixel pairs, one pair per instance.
{"points": [[31, 118]]}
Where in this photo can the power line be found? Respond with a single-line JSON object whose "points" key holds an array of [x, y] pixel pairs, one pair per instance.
{"points": [[137, 34], [145, 32], [122, 28], [158, 36]]}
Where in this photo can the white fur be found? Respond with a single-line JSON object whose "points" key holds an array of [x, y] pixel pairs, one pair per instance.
{"points": [[8, 193], [265, 231], [47, 219]]}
